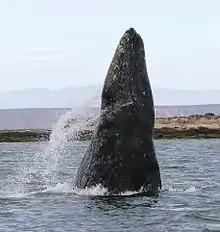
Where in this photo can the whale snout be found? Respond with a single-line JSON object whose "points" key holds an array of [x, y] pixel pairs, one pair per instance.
{"points": [[131, 32], [130, 37]]}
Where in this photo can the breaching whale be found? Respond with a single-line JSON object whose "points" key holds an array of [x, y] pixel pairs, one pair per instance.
{"points": [[121, 155]]}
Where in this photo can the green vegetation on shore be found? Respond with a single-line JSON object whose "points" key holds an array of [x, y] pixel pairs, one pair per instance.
{"points": [[24, 135], [161, 133]]}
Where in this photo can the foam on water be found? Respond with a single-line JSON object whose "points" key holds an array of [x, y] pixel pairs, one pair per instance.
{"points": [[60, 188], [182, 189], [67, 188]]}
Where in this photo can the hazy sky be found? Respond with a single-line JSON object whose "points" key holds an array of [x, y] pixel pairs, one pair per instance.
{"points": [[54, 43]]}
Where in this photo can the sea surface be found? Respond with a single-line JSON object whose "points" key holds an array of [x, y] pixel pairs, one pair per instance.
{"points": [[36, 191]]}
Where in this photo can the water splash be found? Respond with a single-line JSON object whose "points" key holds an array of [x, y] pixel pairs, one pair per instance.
{"points": [[66, 129]]}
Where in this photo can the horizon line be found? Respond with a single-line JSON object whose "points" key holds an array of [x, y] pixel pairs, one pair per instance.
{"points": [[69, 108]]}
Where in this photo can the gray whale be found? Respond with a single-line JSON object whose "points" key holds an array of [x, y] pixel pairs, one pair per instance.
{"points": [[121, 154]]}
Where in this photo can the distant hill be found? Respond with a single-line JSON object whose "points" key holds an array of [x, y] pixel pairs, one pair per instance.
{"points": [[45, 98], [75, 96], [185, 97]]}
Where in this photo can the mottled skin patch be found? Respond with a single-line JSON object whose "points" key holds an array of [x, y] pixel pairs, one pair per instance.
{"points": [[121, 155]]}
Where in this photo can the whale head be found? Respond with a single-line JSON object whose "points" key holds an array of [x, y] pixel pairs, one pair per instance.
{"points": [[127, 79]]}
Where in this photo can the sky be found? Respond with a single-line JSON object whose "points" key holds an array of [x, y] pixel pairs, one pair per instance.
{"points": [[55, 44]]}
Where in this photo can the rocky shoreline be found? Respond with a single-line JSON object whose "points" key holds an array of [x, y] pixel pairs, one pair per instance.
{"points": [[193, 127]]}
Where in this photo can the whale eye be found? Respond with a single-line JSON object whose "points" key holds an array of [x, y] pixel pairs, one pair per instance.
{"points": [[108, 98]]}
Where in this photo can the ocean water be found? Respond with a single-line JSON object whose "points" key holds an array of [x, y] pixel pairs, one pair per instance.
{"points": [[36, 191]]}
